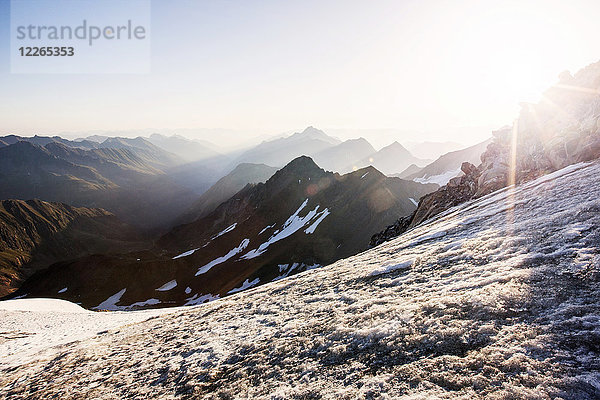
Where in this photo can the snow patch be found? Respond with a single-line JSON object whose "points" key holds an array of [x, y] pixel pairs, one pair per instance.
{"points": [[41, 305], [365, 174], [413, 201], [320, 217], [204, 269], [246, 285], [167, 286], [224, 231], [393, 266], [195, 300], [111, 302], [291, 226], [63, 290], [149, 302], [184, 254], [440, 179], [265, 228]]}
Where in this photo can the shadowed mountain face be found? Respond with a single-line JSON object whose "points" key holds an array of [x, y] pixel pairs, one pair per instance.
{"points": [[301, 218], [226, 187], [34, 234], [129, 181]]}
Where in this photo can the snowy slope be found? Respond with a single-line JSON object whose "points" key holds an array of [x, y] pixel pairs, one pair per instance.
{"points": [[498, 298], [29, 327]]}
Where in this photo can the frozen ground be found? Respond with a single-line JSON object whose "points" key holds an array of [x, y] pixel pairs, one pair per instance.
{"points": [[29, 327], [496, 299]]}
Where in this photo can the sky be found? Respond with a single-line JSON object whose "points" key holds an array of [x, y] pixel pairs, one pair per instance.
{"points": [[399, 69]]}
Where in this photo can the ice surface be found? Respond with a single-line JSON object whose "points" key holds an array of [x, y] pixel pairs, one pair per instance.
{"points": [[501, 300]]}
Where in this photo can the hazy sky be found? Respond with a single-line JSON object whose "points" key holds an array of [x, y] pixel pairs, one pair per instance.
{"points": [[273, 66]]}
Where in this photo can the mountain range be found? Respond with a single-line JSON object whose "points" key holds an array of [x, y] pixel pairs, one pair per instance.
{"points": [[301, 218], [125, 176], [175, 187]]}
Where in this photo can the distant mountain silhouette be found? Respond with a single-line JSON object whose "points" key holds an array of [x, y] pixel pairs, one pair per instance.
{"points": [[391, 159], [344, 156], [281, 151], [189, 150], [446, 166]]}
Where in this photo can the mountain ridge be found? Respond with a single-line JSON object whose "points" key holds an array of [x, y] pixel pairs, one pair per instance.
{"points": [[34, 234], [300, 218]]}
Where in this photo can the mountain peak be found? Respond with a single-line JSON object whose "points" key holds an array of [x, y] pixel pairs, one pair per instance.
{"points": [[314, 133], [301, 164], [396, 147], [311, 128]]}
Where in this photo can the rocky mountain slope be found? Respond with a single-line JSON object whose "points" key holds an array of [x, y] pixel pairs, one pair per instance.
{"points": [[564, 128], [35, 234], [494, 299], [301, 218]]}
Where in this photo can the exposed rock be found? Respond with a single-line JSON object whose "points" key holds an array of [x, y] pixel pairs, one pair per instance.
{"points": [[564, 128], [391, 231]]}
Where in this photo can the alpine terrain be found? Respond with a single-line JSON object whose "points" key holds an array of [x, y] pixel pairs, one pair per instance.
{"points": [[301, 218], [493, 299]]}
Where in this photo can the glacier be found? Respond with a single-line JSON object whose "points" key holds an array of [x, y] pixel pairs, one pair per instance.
{"points": [[498, 298]]}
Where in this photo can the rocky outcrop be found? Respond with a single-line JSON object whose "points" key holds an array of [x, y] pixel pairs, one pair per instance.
{"points": [[564, 128]]}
